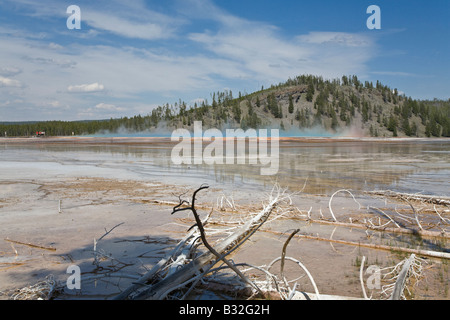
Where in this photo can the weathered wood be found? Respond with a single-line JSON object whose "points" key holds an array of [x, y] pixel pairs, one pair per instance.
{"points": [[199, 225], [426, 253], [331, 199], [283, 254], [401, 280], [422, 233], [419, 197], [31, 245], [207, 259], [152, 272], [316, 290], [361, 279]]}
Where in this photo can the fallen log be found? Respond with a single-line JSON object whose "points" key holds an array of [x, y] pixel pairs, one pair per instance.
{"points": [[427, 253], [152, 272], [401, 280], [197, 266], [199, 225], [422, 233], [31, 245], [412, 196]]}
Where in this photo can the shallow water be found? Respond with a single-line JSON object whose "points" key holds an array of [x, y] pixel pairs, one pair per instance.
{"points": [[417, 166], [33, 170]]}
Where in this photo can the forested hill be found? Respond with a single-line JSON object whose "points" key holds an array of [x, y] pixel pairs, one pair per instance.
{"points": [[298, 106]]}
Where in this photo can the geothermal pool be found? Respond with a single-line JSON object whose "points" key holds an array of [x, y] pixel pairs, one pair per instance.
{"points": [[317, 166]]}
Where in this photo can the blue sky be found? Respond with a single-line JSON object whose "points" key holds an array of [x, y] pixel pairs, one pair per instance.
{"points": [[130, 56]]}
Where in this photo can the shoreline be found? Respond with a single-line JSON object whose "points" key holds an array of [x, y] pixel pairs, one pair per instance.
{"points": [[144, 140]]}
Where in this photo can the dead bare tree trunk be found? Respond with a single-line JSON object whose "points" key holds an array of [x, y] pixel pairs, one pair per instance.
{"points": [[201, 264], [419, 197], [199, 225], [401, 280]]}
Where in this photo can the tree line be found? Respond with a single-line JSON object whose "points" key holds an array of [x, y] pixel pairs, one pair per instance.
{"points": [[337, 102]]}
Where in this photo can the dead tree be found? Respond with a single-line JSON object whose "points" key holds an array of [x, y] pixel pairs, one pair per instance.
{"points": [[199, 225], [199, 266]]}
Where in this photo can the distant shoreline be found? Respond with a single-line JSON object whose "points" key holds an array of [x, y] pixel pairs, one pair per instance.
{"points": [[156, 140]]}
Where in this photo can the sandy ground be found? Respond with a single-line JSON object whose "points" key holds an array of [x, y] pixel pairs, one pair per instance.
{"points": [[37, 239]]}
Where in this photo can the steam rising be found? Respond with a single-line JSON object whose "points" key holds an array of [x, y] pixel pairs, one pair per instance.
{"points": [[165, 131]]}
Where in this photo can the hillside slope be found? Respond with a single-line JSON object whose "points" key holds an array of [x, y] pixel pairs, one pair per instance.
{"points": [[306, 105], [311, 105]]}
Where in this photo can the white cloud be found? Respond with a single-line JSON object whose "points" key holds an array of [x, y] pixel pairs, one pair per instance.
{"points": [[61, 62], [394, 73], [7, 82], [100, 111], [55, 104], [9, 71], [55, 46], [127, 28], [129, 19], [337, 38], [109, 107], [86, 88], [263, 52]]}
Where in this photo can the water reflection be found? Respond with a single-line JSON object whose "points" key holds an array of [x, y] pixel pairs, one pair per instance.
{"points": [[414, 166]]}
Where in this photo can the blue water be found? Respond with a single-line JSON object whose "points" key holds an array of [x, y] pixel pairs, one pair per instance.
{"points": [[164, 133]]}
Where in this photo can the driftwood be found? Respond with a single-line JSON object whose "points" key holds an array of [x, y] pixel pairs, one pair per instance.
{"points": [[385, 227], [282, 289], [283, 254], [368, 225], [99, 254], [422, 233], [412, 196], [426, 253], [396, 278], [401, 281], [331, 199], [199, 266], [42, 290], [150, 274], [316, 290], [187, 270], [199, 225], [361, 279], [399, 276], [31, 245]]}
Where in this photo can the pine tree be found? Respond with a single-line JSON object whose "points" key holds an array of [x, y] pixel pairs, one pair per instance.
{"points": [[407, 127], [237, 111], [291, 105], [414, 129], [310, 92], [273, 106], [392, 125]]}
